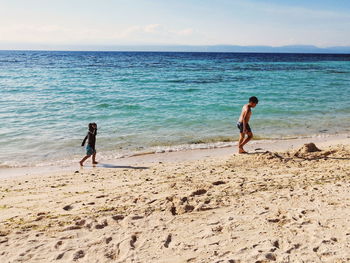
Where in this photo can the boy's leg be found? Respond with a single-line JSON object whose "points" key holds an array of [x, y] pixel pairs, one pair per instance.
{"points": [[83, 160], [241, 139], [250, 136], [94, 158]]}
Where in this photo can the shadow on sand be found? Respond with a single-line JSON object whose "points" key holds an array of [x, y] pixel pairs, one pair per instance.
{"points": [[311, 158], [252, 153], [322, 158], [106, 165]]}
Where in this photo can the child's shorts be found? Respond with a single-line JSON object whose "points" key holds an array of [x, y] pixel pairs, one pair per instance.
{"points": [[90, 150], [241, 128]]}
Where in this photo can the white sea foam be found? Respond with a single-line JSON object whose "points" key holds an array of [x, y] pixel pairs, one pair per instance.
{"points": [[121, 153]]}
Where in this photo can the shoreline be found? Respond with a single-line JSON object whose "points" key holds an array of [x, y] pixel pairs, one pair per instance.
{"points": [[151, 158]]}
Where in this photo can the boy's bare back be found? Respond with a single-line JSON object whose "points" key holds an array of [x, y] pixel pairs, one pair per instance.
{"points": [[245, 114]]}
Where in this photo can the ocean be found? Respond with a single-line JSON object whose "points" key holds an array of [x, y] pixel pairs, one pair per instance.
{"points": [[159, 101]]}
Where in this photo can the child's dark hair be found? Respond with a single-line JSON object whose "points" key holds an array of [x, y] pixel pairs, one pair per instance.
{"points": [[254, 100], [90, 126]]}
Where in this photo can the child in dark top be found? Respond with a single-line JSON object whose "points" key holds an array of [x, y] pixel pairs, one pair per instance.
{"points": [[91, 141]]}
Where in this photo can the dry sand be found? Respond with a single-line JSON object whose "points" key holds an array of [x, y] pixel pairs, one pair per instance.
{"points": [[291, 206]]}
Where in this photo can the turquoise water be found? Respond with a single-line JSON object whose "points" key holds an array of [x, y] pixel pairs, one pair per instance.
{"points": [[163, 101]]}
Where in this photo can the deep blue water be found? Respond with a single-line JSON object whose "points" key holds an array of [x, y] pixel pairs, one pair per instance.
{"points": [[143, 100]]}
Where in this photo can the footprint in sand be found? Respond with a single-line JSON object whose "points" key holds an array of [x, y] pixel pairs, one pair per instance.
{"points": [[294, 247], [188, 208], [167, 241], [60, 256], [80, 222], [270, 256], [68, 207], [102, 225], [118, 217], [199, 192], [133, 241], [218, 182], [173, 210], [78, 254], [183, 200], [111, 255], [108, 240], [58, 244], [136, 217], [276, 244], [72, 228], [273, 220]]}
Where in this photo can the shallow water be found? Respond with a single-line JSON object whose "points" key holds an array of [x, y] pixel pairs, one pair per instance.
{"points": [[147, 101]]}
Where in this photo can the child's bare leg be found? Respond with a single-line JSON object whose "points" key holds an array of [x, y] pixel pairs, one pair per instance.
{"points": [[240, 147], [94, 159], [246, 140], [83, 160]]}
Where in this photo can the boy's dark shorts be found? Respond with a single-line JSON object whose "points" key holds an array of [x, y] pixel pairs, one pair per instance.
{"points": [[240, 127]]}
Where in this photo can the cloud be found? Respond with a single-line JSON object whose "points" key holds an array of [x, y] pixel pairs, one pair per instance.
{"points": [[137, 29], [185, 32], [36, 33], [154, 29], [32, 32]]}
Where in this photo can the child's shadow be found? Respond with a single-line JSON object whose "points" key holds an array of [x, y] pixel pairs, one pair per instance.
{"points": [[106, 165]]}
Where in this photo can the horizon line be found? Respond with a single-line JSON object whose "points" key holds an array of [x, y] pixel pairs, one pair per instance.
{"points": [[218, 48]]}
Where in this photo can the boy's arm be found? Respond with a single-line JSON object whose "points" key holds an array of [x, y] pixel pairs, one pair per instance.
{"points": [[83, 143]]}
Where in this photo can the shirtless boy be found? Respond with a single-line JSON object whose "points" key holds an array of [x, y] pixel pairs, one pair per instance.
{"points": [[243, 124]]}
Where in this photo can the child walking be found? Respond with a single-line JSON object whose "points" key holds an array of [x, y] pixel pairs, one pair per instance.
{"points": [[243, 124], [91, 141]]}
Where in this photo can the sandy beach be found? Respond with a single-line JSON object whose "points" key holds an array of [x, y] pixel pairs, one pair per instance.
{"points": [[283, 203]]}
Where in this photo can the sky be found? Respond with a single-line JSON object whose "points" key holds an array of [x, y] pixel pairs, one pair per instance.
{"points": [[322, 23]]}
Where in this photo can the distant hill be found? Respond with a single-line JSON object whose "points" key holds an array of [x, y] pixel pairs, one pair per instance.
{"points": [[282, 49], [184, 48], [231, 48]]}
